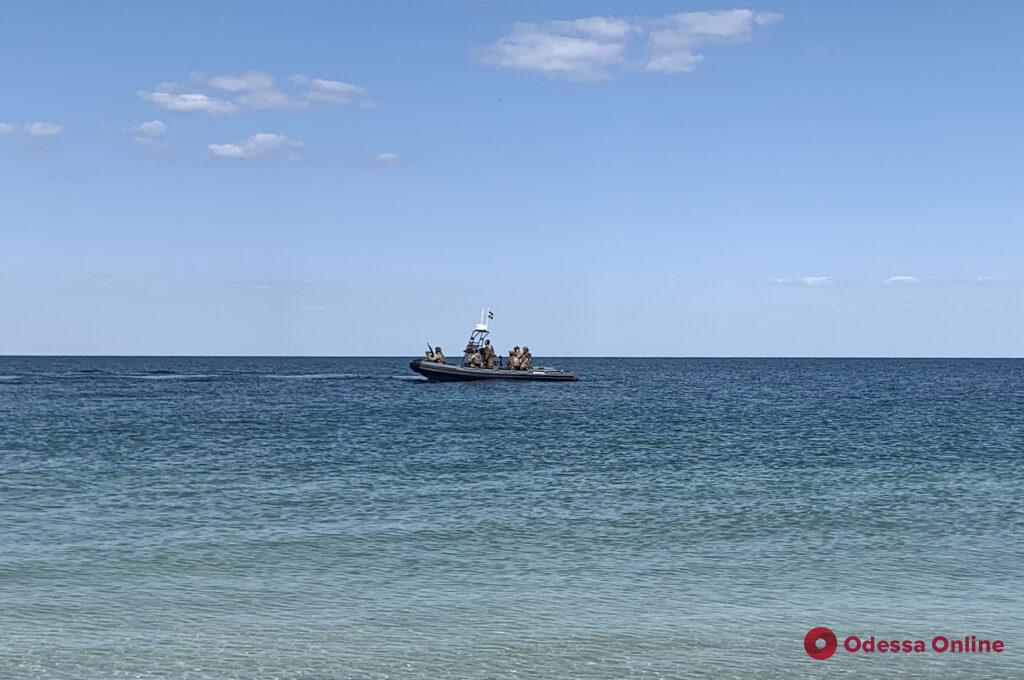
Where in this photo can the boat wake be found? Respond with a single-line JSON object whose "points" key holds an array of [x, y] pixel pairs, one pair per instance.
{"points": [[317, 376]]}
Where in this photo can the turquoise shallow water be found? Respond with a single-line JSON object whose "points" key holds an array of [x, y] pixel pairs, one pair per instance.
{"points": [[339, 518]]}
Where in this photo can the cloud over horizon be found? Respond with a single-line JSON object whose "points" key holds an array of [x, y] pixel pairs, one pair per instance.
{"points": [[588, 48], [807, 281], [959, 281], [901, 281]]}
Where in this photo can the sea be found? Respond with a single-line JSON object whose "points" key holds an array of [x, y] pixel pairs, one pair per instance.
{"points": [[320, 518]]}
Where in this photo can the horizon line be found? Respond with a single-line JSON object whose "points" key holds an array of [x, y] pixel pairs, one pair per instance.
{"points": [[543, 356]]}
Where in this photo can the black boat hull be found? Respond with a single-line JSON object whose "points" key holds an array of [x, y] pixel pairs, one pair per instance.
{"points": [[436, 372]]}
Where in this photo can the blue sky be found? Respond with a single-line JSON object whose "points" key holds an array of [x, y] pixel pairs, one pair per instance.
{"points": [[612, 178]]}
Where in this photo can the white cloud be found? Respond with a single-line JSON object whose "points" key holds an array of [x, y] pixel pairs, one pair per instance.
{"points": [[598, 27], [44, 130], [806, 281], [149, 133], [386, 158], [337, 86], [995, 281], [190, 102], [333, 91], [259, 145], [560, 49], [252, 91], [675, 39], [974, 282], [250, 80], [37, 129], [268, 99], [152, 128], [587, 49]]}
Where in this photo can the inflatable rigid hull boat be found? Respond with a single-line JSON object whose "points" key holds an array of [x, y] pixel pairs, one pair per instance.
{"points": [[440, 371], [437, 372]]}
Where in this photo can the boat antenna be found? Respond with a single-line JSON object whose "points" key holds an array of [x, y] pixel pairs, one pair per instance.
{"points": [[485, 316]]}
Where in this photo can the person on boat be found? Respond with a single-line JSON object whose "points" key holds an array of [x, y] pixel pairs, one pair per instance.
{"points": [[487, 351], [475, 359], [513, 358], [525, 359], [436, 355]]}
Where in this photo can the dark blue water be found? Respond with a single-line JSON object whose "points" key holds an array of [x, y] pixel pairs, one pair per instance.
{"points": [[341, 518]]}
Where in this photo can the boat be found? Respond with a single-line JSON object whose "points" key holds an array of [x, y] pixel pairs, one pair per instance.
{"points": [[444, 372]]}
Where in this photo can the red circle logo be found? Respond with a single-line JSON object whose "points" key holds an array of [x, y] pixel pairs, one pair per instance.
{"points": [[811, 643]]}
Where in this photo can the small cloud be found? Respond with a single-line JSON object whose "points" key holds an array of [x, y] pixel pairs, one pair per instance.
{"points": [[251, 80], [251, 91], [44, 130], [148, 133], [806, 281], [574, 50], [333, 91], [386, 158], [587, 49], [257, 146], [269, 99], [996, 282], [674, 39], [152, 128], [768, 18], [256, 90], [598, 27], [6, 129], [902, 281], [190, 103], [261, 284]]}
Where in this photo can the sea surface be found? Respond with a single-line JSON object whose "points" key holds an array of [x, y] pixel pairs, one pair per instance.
{"points": [[662, 518]]}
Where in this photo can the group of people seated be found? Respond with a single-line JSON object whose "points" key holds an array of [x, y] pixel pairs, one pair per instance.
{"points": [[483, 356], [520, 359]]}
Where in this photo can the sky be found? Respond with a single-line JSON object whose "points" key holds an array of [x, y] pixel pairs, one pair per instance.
{"points": [[611, 178]]}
